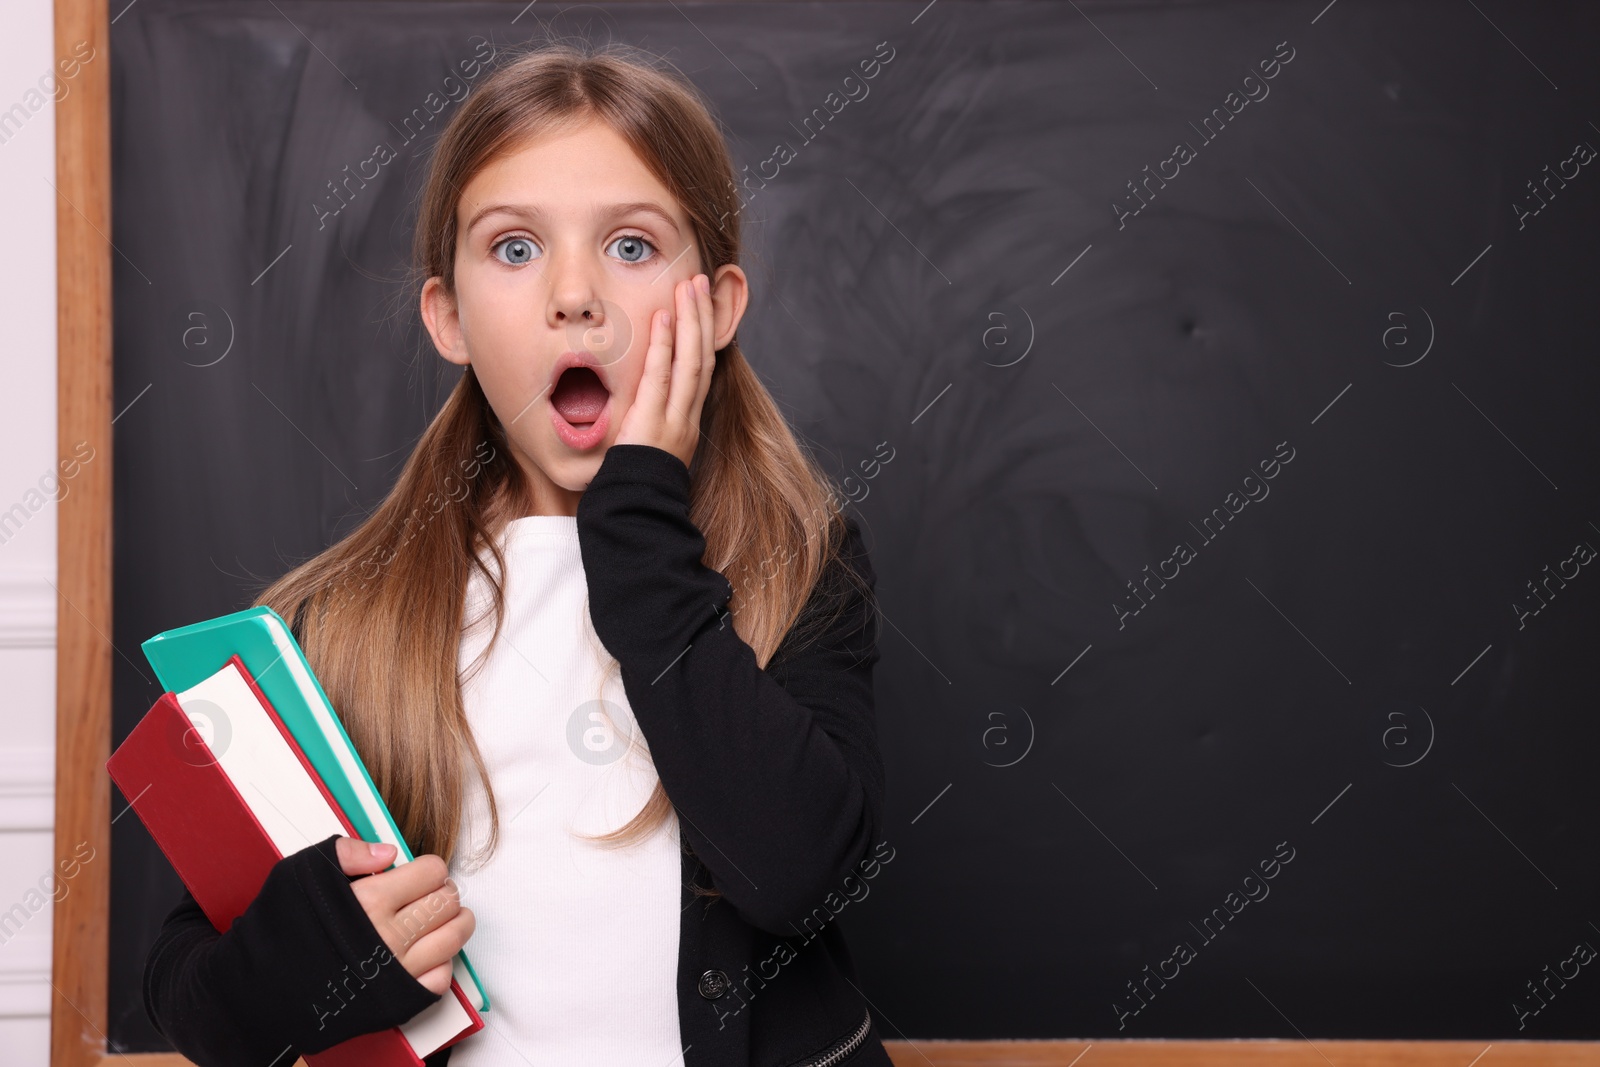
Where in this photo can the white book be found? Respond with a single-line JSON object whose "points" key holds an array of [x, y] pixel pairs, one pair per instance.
{"points": [[288, 804]]}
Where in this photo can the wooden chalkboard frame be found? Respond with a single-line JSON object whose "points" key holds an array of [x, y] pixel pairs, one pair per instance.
{"points": [[83, 668]]}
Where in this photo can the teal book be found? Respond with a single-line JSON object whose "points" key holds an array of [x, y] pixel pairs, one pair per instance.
{"points": [[188, 655]]}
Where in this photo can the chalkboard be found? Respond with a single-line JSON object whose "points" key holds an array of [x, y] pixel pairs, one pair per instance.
{"points": [[1216, 386]]}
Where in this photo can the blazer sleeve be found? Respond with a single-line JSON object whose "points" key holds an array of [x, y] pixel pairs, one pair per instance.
{"points": [[301, 970], [779, 787]]}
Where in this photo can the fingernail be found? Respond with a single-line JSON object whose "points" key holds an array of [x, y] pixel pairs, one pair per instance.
{"points": [[381, 850]]}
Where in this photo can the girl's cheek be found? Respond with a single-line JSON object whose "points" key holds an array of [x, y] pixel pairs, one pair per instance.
{"points": [[629, 375]]}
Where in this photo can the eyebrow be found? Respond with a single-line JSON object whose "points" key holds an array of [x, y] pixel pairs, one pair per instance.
{"points": [[607, 211]]}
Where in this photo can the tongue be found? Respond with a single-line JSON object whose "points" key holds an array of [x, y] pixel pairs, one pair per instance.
{"points": [[579, 396]]}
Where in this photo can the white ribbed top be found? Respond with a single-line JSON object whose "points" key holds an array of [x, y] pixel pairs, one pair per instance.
{"points": [[576, 945]]}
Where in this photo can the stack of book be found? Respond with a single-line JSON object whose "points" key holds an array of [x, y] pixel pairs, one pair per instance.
{"points": [[243, 761]]}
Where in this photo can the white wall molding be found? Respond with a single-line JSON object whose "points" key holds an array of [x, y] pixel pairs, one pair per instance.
{"points": [[27, 789], [27, 608], [25, 971]]}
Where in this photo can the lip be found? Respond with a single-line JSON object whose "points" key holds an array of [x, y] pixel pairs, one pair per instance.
{"points": [[584, 439], [567, 360], [580, 439]]}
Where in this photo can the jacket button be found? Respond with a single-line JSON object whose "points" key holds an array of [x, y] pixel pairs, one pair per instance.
{"points": [[713, 984]]}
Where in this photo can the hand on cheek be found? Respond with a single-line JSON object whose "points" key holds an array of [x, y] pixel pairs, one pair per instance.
{"points": [[666, 407]]}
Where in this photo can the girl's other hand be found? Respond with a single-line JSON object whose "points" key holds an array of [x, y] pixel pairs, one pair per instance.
{"points": [[677, 374], [416, 908]]}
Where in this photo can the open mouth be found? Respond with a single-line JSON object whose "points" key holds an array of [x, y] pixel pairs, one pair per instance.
{"points": [[580, 405]]}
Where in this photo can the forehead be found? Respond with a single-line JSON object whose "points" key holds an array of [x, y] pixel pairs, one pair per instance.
{"points": [[567, 173]]}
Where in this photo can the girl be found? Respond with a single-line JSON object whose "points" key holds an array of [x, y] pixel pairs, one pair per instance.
{"points": [[606, 648]]}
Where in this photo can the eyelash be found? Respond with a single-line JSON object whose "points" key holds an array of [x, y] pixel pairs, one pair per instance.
{"points": [[636, 236]]}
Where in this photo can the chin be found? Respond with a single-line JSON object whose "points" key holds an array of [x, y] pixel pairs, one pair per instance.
{"points": [[574, 472]]}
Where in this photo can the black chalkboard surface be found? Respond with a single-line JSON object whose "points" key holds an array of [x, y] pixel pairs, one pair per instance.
{"points": [[1215, 383]]}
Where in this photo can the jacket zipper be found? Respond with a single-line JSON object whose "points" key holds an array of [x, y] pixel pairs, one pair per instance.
{"points": [[850, 1044]]}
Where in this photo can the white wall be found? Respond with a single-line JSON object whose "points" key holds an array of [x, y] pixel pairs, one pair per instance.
{"points": [[27, 524]]}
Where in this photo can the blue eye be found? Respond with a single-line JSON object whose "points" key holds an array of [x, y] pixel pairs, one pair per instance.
{"points": [[633, 244], [519, 250]]}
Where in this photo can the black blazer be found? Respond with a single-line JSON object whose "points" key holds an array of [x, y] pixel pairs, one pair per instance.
{"points": [[775, 774]]}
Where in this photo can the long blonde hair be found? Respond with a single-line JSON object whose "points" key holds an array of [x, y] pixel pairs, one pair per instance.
{"points": [[383, 608]]}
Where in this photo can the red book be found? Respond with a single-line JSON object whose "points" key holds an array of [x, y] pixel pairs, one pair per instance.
{"points": [[225, 791]]}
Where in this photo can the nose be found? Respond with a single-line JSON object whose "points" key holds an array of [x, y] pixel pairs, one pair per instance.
{"points": [[574, 303], [585, 311]]}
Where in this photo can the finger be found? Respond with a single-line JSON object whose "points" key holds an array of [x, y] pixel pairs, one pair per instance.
{"points": [[436, 979], [363, 857], [657, 365], [686, 351], [422, 916], [393, 890], [708, 349], [440, 947]]}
